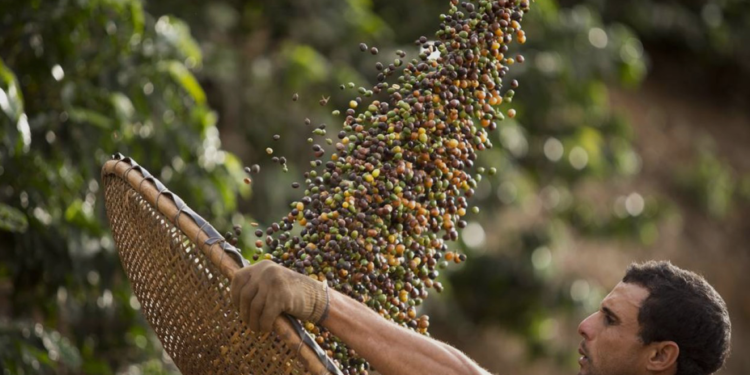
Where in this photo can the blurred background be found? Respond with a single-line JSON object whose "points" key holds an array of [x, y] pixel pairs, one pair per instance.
{"points": [[631, 143]]}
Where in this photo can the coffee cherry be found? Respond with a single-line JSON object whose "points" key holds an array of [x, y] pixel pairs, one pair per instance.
{"points": [[378, 219]]}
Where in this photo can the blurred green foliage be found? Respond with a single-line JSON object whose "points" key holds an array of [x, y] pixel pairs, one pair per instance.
{"points": [[714, 30], [176, 84], [78, 82], [712, 184], [712, 36]]}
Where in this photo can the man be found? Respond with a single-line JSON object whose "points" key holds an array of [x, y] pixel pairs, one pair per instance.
{"points": [[660, 320]]}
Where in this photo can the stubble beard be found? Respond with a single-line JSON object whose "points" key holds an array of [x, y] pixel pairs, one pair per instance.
{"points": [[591, 370]]}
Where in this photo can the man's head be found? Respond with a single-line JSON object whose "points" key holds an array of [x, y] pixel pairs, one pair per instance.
{"points": [[659, 320]]}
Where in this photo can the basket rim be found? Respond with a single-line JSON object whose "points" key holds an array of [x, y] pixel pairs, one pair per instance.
{"points": [[215, 247]]}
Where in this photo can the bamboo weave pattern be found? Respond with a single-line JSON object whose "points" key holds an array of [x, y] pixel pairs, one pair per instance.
{"points": [[184, 296]]}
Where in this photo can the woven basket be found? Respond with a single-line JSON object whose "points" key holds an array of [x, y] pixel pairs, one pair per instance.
{"points": [[180, 269]]}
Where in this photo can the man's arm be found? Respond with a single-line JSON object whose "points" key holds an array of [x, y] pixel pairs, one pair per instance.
{"points": [[390, 348], [263, 291]]}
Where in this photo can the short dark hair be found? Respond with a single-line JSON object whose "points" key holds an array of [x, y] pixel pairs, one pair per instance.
{"points": [[683, 307]]}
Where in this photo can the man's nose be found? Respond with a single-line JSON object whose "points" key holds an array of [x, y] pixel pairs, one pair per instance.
{"points": [[585, 328]]}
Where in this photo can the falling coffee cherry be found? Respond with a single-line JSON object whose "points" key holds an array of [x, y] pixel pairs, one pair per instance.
{"points": [[295, 97], [377, 222]]}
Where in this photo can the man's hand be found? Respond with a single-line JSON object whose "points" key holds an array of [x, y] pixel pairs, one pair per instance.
{"points": [[265, 290]]}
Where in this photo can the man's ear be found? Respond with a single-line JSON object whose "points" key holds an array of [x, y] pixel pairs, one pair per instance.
{"points": [[662, 356]]}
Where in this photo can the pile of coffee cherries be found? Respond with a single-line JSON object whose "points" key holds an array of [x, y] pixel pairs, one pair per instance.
{"points": [[376, 217]]}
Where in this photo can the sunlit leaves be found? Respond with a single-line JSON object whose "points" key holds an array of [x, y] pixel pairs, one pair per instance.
{"points": [[177, 34], [11, 98], [87, 116], [184, 78], [305, 65], [12, 219], [14, 127], [710, 182], [78, 82], [33, 348]]}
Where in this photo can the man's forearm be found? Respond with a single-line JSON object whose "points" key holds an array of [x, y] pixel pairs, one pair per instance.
{"points": [[390, 348]]}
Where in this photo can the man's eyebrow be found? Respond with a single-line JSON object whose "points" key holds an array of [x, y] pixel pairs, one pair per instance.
{"points": [[609, 312]]}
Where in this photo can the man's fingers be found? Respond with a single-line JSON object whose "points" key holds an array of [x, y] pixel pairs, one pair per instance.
{"points": [[239, 281], [256, 309], [271, 311], [248, 294]]}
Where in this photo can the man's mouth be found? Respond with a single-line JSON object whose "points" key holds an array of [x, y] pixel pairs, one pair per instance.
{"points": [[584, 357]]}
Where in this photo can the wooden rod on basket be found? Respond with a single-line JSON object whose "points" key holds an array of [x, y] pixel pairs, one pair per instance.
{"points": [[227, 266]]}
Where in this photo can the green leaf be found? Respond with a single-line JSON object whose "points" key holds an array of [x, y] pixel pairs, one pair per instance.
{"points": [[84, 115], [226, 191], [136, 14], [12, 219], [306, 65], [360, 14], [632, 73], [11, 99], [11, 103], [81, 215], [123, 107], [23, 143], [177, 33], [182, 76], [236, 173], [68, 354]]}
